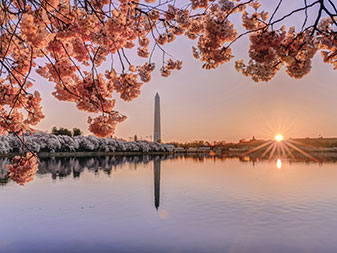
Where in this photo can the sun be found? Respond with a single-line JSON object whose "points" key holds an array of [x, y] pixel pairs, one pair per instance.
{"points": [[278, 137], [281, 147]]}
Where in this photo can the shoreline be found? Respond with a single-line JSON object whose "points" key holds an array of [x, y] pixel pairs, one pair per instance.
{"points": [[46, 154], [86, 153]]}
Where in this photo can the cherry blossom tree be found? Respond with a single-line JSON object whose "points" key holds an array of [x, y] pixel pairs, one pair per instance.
{"points": [[44, 142], [23, 168], [81, 47]]}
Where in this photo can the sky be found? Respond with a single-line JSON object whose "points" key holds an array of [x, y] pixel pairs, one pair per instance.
{"points": [[221, 104]]}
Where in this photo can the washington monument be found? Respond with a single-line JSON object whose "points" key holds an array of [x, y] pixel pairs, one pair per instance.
{"points": [[157, 134]]}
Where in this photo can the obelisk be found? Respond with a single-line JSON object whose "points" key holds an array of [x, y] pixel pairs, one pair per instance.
{"points": [[157, 134]]}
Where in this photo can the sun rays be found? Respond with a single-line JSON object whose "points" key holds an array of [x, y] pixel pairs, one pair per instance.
{"points": [[280, 148]]}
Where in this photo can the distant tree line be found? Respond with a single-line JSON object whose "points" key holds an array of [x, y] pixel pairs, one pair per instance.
{"points": [[65, 131], [217, 144], [251, 143]]}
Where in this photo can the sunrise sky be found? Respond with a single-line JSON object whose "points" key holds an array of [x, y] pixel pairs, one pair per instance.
{"points": [[219, 104]]}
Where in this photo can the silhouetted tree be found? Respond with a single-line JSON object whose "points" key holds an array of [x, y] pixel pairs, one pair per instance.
{"points": [[54, 131], [77, 132], [61, 131]]}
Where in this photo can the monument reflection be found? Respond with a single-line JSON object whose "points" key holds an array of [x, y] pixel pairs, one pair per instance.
{"points": [[156, 176]]}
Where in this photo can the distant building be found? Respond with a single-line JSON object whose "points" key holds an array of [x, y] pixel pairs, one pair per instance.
{"points": [[157, 133]]}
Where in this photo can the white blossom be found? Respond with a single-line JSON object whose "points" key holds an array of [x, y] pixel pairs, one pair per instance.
{"points": [[44, 142]]}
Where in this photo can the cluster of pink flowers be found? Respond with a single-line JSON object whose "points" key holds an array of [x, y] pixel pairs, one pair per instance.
{"points": [[169, 66], [145, 70], [23, 168], [35, 110], [203, 4], [269, 50], [328, 42], [226, 5], [104, 125], [297, 52], [12, 121], [213, 31], [128, 86], [254, 21]]}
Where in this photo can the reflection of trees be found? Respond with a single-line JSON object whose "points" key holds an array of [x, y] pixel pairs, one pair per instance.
{"points": [[324, 157], [61, 167], [4, 176]]}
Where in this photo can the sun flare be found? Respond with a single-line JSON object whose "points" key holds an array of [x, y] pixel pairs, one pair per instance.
{"points": [[278, 137], [280, 147]]}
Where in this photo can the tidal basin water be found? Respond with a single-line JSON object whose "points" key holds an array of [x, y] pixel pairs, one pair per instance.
{"points": [[166, 204]]}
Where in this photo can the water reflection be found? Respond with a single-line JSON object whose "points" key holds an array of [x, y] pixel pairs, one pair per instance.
{"points": [[4, 177], [61, 167], [205, 203], [279, 163], [156, 175]]}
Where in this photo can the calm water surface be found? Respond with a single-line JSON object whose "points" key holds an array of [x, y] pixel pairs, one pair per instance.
{"points": [[160, 204]]}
